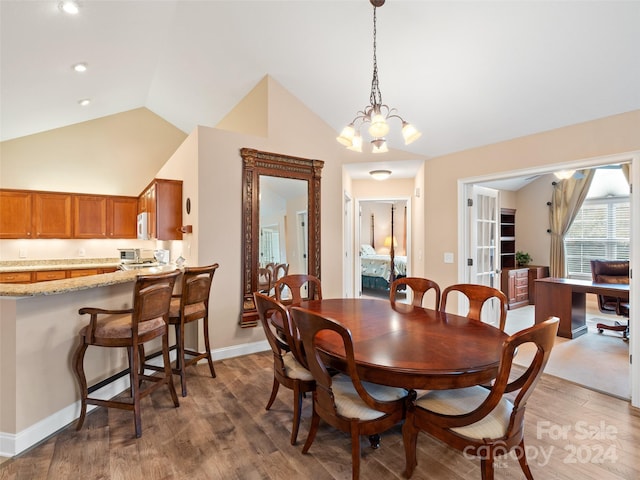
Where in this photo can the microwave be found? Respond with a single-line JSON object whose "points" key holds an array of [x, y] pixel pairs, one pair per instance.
{"points": [[143, 226], [129, 255]]}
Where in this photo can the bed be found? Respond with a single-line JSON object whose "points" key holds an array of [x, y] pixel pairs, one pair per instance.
{"points": [[376, 268]]}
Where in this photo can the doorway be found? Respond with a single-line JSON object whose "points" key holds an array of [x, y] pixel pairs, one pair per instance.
{"points": [[467, 243]]}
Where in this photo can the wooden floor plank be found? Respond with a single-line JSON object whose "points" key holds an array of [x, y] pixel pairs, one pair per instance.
{"points": [[222, 431]]}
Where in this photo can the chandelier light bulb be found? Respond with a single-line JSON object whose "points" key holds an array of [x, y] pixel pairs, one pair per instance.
{"points": [[346, 136], [356, 145], [409, 133], [379, 126]]}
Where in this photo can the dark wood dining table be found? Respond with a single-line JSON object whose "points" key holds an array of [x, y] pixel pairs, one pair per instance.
{"points": [[400, 345]]}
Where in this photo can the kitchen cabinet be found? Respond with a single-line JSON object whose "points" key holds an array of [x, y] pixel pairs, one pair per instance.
{"points": [[89, 216], [16, 210], [162, 200], [121, 217], [47, 275], [101, 216], [52, 215], [15, 277]]}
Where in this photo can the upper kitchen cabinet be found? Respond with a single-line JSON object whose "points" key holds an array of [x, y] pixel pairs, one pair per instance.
{"points": [[89, 216], [162, 200], [16, 210], [121, 217], [52, 218], [100, 216]]}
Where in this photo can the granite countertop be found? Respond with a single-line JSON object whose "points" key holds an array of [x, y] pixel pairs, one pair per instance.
{"points": [[61, 264], [54, 287]]}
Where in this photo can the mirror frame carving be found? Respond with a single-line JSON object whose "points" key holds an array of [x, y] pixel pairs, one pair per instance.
{"points": [[257, 163]]}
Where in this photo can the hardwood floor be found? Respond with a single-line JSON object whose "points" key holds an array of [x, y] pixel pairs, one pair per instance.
{"points": [[222, 431]]}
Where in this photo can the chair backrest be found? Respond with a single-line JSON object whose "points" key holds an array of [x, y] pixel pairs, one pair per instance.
{"points": [[280, 270], [152, 298], [309, 325], [196, 287], [419, 286], [477, 295], [543, 336], [609, 271], [267, 307], [264, 280], [296, 284]]}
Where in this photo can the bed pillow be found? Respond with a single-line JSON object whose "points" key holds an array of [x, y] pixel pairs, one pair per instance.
{"points": [[367, 250]]}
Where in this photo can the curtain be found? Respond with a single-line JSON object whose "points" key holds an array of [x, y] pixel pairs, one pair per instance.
{"points": [[626, 169], [566, 201]]}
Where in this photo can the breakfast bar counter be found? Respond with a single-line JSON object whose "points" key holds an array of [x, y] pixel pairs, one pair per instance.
{"points": [[39, 325]]}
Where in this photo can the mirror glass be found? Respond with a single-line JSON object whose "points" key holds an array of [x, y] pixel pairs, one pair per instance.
{"points": [[283, 225], [281, 222]]}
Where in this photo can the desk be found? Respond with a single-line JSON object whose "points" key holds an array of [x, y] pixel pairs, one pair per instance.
{"points": [[399, 345], [565, 298]]}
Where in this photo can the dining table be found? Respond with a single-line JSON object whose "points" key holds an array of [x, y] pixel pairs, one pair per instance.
{"points": [[401, 345]]}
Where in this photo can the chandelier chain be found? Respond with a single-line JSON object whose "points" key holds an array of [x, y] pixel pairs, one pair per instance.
{"points": [[376, 96]]}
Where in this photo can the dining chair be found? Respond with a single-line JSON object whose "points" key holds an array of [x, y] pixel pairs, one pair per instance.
{"points": [[477, 295], [300, 286], [343, 400], [289, 364], [264, 280], [419, 286], [191, 305], [130, 328], [479, 421]]}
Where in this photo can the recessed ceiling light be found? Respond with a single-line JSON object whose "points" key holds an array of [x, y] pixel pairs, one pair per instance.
{"points": [[80, 67], [69, 6], [84, 102]]}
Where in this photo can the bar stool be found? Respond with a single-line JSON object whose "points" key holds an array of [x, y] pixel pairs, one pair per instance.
{"points": [[190, 305], [147, 320]]}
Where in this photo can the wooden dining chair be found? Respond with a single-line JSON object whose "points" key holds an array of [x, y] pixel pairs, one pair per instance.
{"points": [[478, 421], [343, 400], [419, 286], [289, 364], [264, 280], [130, 328], [477, 295], [301, 287], [191, 305]]}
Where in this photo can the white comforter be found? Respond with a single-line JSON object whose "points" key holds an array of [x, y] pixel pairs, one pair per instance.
{"points": [[380, 265]]}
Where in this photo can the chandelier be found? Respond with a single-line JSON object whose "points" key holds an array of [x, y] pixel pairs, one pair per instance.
{"points": [[376, 113]]}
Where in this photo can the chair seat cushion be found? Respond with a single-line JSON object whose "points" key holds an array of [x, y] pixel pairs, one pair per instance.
{"points": [[464, 400], [114, 327], [350, 405], [191, 312], [293, 369]]}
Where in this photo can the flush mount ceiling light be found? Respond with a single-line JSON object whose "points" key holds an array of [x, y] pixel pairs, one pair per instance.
{"points": [[380, 174], [84, 102], [80, 67], [69, 6], [376, 113], [564, 174]]}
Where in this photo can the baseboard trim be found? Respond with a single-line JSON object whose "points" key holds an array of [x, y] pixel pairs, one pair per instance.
{"points": [[14, 444]]}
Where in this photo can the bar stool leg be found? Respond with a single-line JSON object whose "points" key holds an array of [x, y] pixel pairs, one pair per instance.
{"points": [[207, 345], [78, 364]]}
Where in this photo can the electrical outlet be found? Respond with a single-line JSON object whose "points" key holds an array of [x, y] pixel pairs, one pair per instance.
{"points": [[81, 252], [448, 257], [22, 253]]}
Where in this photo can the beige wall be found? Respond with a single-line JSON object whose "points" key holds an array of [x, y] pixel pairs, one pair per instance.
{"points": [[598, 138]]}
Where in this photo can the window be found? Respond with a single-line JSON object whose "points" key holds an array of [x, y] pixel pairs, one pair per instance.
{"points": [[601, 230]]}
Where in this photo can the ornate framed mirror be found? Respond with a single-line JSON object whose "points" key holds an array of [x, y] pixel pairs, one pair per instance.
{"points": [[280, 219]]}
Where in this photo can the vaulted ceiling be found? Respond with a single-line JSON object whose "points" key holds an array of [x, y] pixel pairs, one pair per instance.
{"points": [[466, 73]]}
